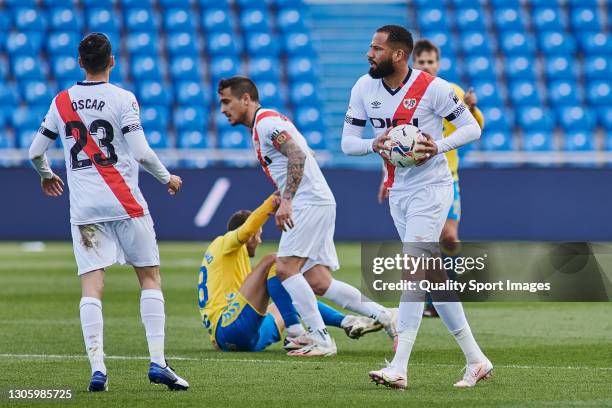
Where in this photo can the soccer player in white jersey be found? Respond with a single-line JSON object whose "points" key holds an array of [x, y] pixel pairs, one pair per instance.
{"points": [[392, 93], [99, 126], [306, 215]]}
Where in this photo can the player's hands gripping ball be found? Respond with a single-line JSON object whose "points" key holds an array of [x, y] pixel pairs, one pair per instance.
{"points": [[53, 186], [174, 185], [427, 146], [284, 213], [380, 144]]}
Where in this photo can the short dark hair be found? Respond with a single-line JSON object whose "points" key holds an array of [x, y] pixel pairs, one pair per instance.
{"points": [[240, 85], [398, 36], [95, 52], [424, 45], [237, 219]]}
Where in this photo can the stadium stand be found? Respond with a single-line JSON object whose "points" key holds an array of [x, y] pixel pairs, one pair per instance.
{"points": [[543, 81]]}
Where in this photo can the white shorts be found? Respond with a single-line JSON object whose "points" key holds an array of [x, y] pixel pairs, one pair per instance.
{"points": [[311, 237], [419, 216], [103, 244]]}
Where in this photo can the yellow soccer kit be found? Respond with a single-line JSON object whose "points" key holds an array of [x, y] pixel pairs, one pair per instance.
{"points": [[224, 268], [449, 128]]}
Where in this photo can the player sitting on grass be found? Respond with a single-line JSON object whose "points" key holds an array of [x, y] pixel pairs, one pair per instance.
{"points": [[233, 299]]}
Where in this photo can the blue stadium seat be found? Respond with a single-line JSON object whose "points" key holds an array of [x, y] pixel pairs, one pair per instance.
{"points": [[547, 19], [145, 67], [255, 20], [475, 43], [154, 117], [597, 67], [599, 93], [224, 67], [564, 93], [217, 19], [30, 19], [268, 69], [423, 4], [497, 140], [190, 118], [269, 94], [153, 93], [66, 68], [139, 19], [128, 4], [65, 19], [222, 43], [20, 3], [142, 43], [442, 39], [516, 43], [304, 93], [37, 92], [557, 43], [519, 67], [537, 141], [578, 140], [509, 19], [186, 4], [185, 68], [157, 139], [583, 3], [488, 92], [252, 3], [298, 44], [524, 93], [178, 19], [604, 116], [63, 43], [20, 44], [182, 43], [234, 139], [479, 68], [560, 67], [595, 43], [6, 142], [9, 97], [608, 140], [290, 3], [572, 118], [193, 139], [190, 93], [585, 19], [290, 19], [204, 4], [544, 3], [308, 118], [430, 19], [263, 44], [470, 18], [26, 67], [102, 20], [449, 70], [97, 3], [300, 68], [315, 139], [535, 118], [28, 119]]}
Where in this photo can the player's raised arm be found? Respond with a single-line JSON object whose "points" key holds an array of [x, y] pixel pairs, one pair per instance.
{"points": [[51, 183], [142, 152], [257, 218], [353, 143]]}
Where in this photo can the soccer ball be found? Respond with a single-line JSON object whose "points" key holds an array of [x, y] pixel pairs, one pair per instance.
{"points": [[402, 144]]}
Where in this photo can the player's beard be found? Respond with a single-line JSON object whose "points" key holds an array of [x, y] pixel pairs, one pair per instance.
{"points": [[382, 70]]}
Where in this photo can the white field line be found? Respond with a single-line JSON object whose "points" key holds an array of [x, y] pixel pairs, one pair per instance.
{"points": [[264, 361]]}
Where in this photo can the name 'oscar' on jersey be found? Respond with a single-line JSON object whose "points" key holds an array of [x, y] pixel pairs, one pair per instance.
{"points": [[423, 101], [93, 120]]}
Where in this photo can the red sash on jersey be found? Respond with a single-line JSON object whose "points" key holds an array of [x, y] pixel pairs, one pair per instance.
{"points": [[257, 145], [406, 110], [110, 174]]}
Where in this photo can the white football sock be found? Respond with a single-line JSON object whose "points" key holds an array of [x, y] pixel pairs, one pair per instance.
{"points": [[349, 297], [295, 330], [92, 325], [305, 302], [453, 316], [154, 319], [409, 319]]}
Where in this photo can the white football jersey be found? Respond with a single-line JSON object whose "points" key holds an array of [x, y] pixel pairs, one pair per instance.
{"points": [[423, 101], [267, 128], [93, 119]]}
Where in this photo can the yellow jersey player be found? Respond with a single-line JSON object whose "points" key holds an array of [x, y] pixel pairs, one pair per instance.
{"points": [[233, 297]]}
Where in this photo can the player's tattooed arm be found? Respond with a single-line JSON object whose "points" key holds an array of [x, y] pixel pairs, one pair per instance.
{"points": [[295, 163]]}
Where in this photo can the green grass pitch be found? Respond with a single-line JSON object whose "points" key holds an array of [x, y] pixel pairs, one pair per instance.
{"points": [[545, 354]]}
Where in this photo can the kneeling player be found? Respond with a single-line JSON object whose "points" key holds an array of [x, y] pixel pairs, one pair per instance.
{"points": [[233, 299]]}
